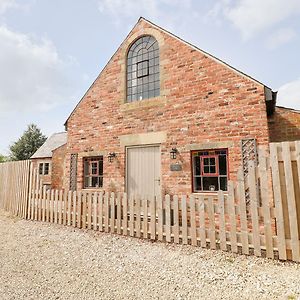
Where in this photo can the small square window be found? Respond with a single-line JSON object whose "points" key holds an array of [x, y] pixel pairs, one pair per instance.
{"points": [[209, 170], [93, 172], [210, 165]]}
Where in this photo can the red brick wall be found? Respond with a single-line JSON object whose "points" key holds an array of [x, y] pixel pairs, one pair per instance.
{"points": [[284, 125], [58, 162], [201, 100]]}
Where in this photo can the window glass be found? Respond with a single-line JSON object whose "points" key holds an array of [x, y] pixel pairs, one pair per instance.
{"points": [[209, 170], [41, 167], [197, 183], [222, 164], [143, 70], [93, 172], [46, 169], [210, 184]]}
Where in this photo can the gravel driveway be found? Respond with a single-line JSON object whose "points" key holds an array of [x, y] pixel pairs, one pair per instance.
{"points": [[41, 261]]}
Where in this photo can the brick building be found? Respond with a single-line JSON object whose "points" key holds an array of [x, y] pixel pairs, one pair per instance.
{"points": [[284, 125], [49, 160], [166, 117]]}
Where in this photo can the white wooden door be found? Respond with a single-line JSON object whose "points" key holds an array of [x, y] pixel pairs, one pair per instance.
{"points": [[143, 171]]}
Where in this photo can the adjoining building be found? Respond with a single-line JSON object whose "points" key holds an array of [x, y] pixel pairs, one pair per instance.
{"points": [[49, 160]]}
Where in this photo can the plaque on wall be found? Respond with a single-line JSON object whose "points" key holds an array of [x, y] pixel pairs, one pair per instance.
{"points": [[176, 167]]}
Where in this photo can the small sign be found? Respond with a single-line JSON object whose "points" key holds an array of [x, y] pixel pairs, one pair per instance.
{"points": [[176, 167]]}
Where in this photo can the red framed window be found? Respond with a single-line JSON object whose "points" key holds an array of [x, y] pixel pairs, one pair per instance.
{"points": [[209, 170], [93, 172], [209, 165]]}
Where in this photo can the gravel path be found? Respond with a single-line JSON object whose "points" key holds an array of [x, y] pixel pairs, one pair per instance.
{"points": [[41, 261]]}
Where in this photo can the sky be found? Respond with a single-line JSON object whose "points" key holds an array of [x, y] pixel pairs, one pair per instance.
{"points": [[52, 50]]}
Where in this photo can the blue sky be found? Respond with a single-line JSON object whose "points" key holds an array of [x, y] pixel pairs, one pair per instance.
{"points": [[52, 50]]}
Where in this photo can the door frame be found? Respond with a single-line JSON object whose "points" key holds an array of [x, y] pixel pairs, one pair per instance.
{"points": [[126, 164]]}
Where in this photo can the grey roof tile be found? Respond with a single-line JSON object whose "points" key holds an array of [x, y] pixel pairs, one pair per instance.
{"points": [[53, 142]]}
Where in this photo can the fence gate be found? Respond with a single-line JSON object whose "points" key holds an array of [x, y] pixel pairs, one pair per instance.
{"points": [[14, 187], [285, 166]]}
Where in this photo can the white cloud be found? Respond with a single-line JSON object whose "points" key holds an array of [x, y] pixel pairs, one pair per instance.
{"points": [[32, 75], [6, 4], [281, 37], [167, 11], [127, 7], [252, 17], [289, 94]]}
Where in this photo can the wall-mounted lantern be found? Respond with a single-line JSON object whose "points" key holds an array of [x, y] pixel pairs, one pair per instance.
{"points": [[173, 153], [111, 156]]}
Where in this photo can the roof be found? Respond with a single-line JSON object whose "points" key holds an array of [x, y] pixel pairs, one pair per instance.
{"points": [[178, 38], [53, 142], [202, 51], [289, 108]]}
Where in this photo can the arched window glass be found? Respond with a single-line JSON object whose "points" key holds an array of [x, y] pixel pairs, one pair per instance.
{"points": [[143, 69]]}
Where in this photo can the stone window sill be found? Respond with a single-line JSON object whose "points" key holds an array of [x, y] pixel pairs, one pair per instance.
{"points": [[143, 103]]}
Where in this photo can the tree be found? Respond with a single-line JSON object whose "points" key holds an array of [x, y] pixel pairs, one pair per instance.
{"points": [[31, 140], [3, 158]]}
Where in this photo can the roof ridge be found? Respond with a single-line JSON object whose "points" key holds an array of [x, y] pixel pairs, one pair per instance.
{"points": [[61, 132], [204, 52], [289, 108], [53, 142], [175, 36]]}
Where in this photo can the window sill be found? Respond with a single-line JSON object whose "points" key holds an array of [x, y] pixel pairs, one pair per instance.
{"points": [[93, 190], [143, 103], [208, 193]]}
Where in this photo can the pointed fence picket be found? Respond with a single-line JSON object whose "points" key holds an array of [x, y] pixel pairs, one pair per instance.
{"points": [[269, 225], [204, 220]]}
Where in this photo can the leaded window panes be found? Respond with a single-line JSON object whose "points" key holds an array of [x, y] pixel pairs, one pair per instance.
{"points": [[210, 170], [143, 79], [93, 172]]}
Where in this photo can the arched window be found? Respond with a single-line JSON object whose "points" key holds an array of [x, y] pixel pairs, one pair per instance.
{"points": [[143, 69]]}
